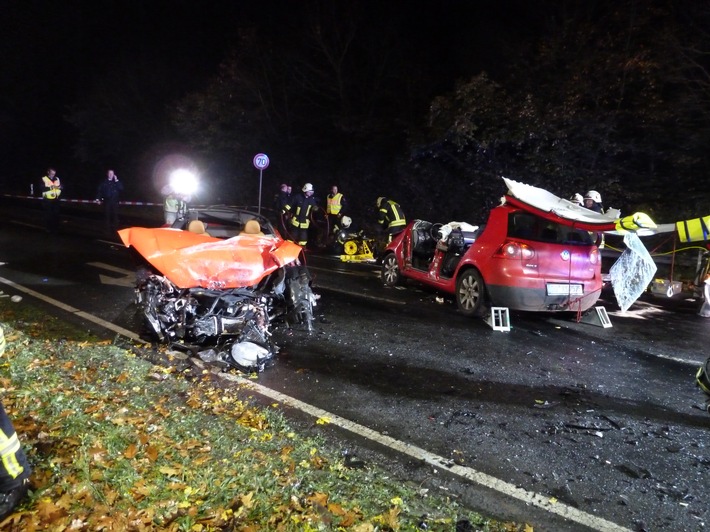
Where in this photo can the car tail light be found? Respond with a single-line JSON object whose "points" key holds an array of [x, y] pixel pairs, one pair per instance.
{"points": [[516, 250], [594, 256]]}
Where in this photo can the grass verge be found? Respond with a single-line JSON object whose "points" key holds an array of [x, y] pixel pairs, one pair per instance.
{"points": [[118, 442]]}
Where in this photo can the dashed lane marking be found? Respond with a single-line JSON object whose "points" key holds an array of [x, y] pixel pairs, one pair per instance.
{"points": [[80, 313], [528, 497], [358, 294], [374, 273]]}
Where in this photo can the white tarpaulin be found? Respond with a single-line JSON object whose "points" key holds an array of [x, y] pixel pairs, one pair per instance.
{"points": [[632, 272]]}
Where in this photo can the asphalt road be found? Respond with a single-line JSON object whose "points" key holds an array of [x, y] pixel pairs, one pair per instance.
{"points": [[565, 425]]}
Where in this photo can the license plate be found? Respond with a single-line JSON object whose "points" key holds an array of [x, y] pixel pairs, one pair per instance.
{"points": [[554, 289]]}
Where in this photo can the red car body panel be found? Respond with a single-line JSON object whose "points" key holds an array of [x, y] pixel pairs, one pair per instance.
{"points": [[192, 260], [520, 283]]}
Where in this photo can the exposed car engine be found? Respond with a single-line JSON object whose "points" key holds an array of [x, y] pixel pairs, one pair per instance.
{"points": [[223, 319]]}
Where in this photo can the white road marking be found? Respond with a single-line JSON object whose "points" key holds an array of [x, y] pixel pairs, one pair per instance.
{"points": [[375, 273], [128, 279], [84, 315], [535, 499], [359, 294], [528, 497]]}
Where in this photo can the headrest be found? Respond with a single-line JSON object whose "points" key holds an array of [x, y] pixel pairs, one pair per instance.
{"points": [[252, 227], [197, 227]]}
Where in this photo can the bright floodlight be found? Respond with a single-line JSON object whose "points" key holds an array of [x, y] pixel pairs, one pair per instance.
{"points": [[183, 182]]}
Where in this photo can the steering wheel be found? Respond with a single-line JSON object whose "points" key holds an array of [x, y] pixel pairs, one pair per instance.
{"points": [[434, 231]]}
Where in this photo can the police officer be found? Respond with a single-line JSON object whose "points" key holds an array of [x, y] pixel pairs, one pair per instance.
{"points": [[109, 192], [51, 190], [390, 216], [300, 208], [335, 205]]}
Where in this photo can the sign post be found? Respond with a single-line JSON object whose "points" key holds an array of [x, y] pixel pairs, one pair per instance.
{"points": [[261, 162]]}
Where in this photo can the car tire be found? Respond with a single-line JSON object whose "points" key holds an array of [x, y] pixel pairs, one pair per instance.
{"points": [[470, 293], [391, 275]]}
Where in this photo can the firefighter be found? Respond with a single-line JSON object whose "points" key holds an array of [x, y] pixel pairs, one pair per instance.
{"points": [[593, 201], [14, 467], [281, 199], [299, 208], [51, 190], [390, 216]]}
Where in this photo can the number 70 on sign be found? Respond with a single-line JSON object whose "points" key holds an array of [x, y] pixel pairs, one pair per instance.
{"points": [[261, 161]]}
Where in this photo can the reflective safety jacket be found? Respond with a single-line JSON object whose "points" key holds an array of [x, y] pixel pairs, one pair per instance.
{"points": [[334, 203], [695, 230], [51, 188], [300, 207], [13, 462], [391, 215]]}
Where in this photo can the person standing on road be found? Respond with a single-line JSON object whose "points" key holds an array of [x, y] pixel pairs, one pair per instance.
{"points": [[390, 216], [705, 308], [174, 206], [335, 205], [51, 190], [109, 193], [300, 208], [281, 199]]}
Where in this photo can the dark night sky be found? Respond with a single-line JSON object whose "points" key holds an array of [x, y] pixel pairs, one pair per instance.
{"points": [[53, 53]]}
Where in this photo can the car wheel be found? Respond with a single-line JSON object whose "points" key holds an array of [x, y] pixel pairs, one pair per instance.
{"points": [[390, 270], [470, 293]]}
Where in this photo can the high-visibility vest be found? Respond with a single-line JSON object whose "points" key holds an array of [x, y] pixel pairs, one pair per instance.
{"points": [[334, 203], [695, 230], [52, 188], [634, 222], [172, 204]]}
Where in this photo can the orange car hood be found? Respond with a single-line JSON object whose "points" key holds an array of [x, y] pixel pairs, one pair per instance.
{"points": [[190, 260]]}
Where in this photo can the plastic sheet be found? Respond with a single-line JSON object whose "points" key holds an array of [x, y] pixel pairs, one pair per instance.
{"points": [[632, 272]]}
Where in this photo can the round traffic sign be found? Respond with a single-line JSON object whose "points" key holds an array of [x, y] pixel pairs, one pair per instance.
{"points": [[261, 161]]}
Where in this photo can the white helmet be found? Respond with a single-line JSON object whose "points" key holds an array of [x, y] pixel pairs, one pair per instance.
{"points": [[307, 187], [594, 196], [346, 221]]}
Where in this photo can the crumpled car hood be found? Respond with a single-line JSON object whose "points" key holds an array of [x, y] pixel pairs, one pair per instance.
{"points": [[190, 260]]}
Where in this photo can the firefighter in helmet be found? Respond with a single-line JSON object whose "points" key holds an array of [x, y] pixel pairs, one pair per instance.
{"points": [[390, 216], [593, 201], [299, 208]]}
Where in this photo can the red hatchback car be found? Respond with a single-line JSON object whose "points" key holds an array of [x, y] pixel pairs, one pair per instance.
{"points": [[517, 260]]}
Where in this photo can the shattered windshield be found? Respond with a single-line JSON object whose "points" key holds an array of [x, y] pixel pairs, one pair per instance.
{"points": [[632, 272]]}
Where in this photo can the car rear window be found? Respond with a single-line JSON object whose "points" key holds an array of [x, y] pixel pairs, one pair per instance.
{"points": [[527, 226]]}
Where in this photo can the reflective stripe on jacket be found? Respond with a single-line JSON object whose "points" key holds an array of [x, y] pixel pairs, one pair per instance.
{"points": [[334, 203], [301, 208], [695, 230], [52, 188], [391, 215]]}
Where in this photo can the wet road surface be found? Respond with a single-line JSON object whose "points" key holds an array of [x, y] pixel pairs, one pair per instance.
{"points": [[608, 421]]}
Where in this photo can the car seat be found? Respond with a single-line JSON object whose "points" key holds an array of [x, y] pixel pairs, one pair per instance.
{"points": [[252, 227], [197, 227]]}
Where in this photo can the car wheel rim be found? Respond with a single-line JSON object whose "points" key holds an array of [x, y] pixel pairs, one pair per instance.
{"points": [[469, 293], [390, 270]]}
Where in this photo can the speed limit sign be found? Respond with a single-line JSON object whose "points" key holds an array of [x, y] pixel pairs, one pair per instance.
{"points": [[261, 161]]}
